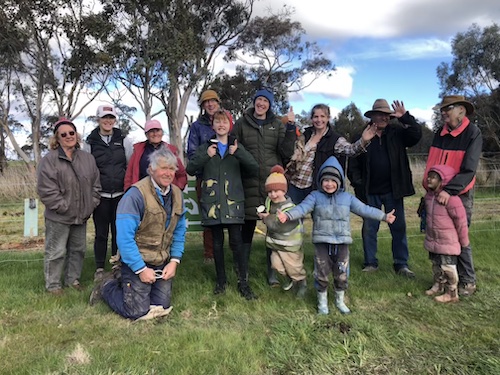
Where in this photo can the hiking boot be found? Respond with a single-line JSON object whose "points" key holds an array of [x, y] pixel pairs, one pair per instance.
{"points": [[220, 288], [288, 284], [208, 261], [77, 286], [405, 271], [56, 292], [246, 292], [437, 288], [98, 274], [466, 289], [370, 268], [96, 294]]}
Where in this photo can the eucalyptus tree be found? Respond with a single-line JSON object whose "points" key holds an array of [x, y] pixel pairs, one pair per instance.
{"points": [[274, 52], [475, 73], [163, 49], [55, 65]]}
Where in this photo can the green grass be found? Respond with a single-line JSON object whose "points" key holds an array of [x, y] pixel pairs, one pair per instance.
{"points": [[394, 327]]}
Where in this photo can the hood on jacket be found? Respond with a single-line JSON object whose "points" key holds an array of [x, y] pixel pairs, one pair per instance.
{"points": [[445, 172], [326, 168]]}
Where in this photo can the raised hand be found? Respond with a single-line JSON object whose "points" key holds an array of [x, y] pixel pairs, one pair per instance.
{"points": [[399, 108], [369, 132], [281, 216], [212, 150], [291, 115]]}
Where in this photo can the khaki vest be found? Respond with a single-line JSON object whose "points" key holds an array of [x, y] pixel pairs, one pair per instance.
{"points": [[153, 238]]}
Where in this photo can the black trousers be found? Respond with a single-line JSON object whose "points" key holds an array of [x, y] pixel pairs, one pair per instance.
{"points": [[105, 218]]}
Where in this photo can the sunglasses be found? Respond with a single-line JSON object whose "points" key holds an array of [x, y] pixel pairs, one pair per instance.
{"points": [[71, 133], [448, 109]]}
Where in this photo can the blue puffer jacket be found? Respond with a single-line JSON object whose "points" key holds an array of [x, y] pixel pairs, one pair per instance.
{"points": [[331, 217]]}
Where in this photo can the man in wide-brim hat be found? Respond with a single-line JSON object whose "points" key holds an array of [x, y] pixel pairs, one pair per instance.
{"points": [[382, 177], [458, 143]]}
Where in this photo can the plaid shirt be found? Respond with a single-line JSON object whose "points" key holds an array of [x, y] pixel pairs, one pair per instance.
{"points": [[301, 171]]}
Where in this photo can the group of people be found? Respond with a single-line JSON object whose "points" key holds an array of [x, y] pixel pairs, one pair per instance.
{"points": [[257, 168]]}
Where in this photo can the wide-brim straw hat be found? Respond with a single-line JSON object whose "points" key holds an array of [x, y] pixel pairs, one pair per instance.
{"points": [[456, 99], [380, 106]]}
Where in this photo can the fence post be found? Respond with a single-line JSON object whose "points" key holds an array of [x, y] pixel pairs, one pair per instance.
{"points": [[30, 217]]}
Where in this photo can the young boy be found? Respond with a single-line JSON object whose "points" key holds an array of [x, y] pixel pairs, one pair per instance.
{"points": [[222, 161], [284, 241], [445, 234], [331, 234]]}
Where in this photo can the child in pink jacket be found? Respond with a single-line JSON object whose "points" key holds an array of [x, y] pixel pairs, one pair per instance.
{"points": [[445, 234]]}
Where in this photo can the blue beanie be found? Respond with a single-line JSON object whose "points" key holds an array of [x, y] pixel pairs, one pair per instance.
{"points": [[266, 94]]}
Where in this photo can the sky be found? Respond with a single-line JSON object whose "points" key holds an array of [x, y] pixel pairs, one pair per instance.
{"points": [[385, 49]]}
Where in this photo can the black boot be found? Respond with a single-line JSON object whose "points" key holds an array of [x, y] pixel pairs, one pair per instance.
{"points": [[243, 286], [272, 280]]}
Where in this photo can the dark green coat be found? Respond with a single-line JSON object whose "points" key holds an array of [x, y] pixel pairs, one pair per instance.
{"points": [[222, 196], [270, 144]]}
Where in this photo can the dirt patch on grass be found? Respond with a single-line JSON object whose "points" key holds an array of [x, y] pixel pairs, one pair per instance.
{"points": [[28, 244]]}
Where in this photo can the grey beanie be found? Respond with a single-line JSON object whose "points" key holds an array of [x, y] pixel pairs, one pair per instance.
{"points": [[331, 173]]}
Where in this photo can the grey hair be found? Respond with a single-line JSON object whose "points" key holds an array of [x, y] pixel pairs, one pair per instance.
{"points": [[162, 154]]}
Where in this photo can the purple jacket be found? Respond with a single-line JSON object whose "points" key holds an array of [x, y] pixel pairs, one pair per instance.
{"points": [[446, 231]]}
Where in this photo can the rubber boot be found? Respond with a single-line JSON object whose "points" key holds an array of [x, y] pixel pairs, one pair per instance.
{"points": [[451, 286], [323, 303], [243, 285], [301, 288], [339, 302], [272, 280], [439, 281]]}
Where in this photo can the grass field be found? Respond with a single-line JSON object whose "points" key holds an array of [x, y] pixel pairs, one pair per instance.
{"points": [[393, 329]]}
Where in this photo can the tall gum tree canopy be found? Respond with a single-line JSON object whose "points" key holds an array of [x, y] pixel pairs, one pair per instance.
{"points": [[475, 73]]}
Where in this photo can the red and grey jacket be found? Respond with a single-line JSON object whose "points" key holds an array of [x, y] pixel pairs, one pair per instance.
{"points": [[459, 148]]}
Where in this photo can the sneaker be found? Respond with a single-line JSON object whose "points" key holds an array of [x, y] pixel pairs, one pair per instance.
{"points": [[96, 294], [220, 288], [370, 268], [405, 271], [98, 274], [155, 311], [466, 289]]}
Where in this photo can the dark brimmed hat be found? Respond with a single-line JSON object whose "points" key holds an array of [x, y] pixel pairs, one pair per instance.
{"points": [[456, 99], [380, 106]]}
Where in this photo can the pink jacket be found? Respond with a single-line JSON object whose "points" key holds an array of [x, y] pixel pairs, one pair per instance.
{"points": [[446, 230]]}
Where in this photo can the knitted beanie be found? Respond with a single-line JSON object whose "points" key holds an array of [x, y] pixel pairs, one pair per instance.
{"points": [[266, 94], [277, 179], [332, 174]]}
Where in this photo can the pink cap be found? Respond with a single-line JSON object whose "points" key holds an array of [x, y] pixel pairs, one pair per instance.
{"points": [[152, 124]]}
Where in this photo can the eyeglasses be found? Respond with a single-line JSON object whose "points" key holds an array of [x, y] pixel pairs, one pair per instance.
{"points": [[71, 133], [448, 109]]}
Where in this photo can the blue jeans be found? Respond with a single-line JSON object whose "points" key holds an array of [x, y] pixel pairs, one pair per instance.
{"points": [[296, 194], [400, 253], [131, 298]]}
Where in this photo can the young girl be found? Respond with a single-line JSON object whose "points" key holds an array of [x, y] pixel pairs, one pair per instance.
{"points": [[445, 234], [222, 161], [331, 234]]}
